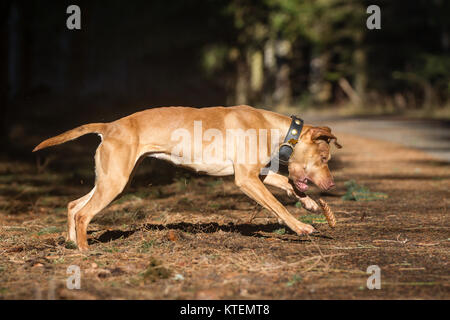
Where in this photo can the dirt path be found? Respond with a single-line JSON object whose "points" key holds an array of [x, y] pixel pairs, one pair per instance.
{"points": [[430, 136], [191, 238]]}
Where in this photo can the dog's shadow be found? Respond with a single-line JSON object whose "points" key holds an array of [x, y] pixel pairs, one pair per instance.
{"points": [[245, 229]]}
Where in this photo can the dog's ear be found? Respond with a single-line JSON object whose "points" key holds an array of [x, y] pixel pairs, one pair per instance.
{"points": [[324, 133]]}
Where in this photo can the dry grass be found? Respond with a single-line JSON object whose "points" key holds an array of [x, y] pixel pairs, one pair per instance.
{"points": [[190, 238]]}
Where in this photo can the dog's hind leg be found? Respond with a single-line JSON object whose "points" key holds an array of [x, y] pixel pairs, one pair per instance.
{"points": [[114, 163], [72, 208]]}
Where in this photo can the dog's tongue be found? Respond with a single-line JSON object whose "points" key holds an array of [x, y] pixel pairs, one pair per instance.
{"points": [[301, 186]]}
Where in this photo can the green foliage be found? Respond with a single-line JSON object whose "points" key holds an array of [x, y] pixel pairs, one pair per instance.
{"points": [[215, 205], [434, 66], [214, 58], [182, 182], [313, 218], [215, 182], [331, 36], [428, 69], [185, 202], [70, 245], [147, 245], [128, 197], [358, 192], [295, 279], [49, 230], [280, 231], [319, 21], [155, 271]]}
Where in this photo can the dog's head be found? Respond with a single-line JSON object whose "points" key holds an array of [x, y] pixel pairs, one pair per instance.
{"points": [[309, 160]]}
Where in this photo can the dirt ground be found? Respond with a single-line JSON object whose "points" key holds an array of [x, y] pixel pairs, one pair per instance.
{"points": [[174, 235]]}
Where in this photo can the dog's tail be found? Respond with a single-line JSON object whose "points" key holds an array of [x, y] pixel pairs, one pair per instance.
{"points": [[72, 134]]}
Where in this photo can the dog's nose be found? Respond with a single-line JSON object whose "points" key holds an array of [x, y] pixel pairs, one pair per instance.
{"points": [[330, 185]]}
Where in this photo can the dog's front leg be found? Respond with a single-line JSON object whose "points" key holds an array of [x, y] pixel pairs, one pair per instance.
{"points": [[282, 182], [308, 203], [249, 183]]}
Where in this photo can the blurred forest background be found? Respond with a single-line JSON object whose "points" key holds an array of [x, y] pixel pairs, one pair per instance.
{"points": [[132, 55]]}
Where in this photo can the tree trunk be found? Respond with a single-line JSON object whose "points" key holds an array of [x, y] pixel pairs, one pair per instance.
{"points": [[360, 63], [77, 55], [241, 89], [318, 86], [26, 45], [359, 57], [283, 93], [256, 75], [5, 9], [270, 71]]}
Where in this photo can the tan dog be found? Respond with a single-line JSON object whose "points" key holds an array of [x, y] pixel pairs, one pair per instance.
{"points": [[156, 132]]}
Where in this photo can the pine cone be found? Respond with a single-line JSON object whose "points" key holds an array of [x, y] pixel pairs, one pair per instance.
{"points": [[328, 213]]}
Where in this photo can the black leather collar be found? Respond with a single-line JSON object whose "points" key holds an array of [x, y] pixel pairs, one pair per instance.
{"points": [[291, 139]]}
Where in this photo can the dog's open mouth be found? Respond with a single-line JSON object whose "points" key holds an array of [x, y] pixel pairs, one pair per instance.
{"points": [[302, 185]]}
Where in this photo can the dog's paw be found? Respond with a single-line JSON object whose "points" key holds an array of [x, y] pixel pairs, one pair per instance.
{"points": [[309, 204], [303, 229], [83, 247]]}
